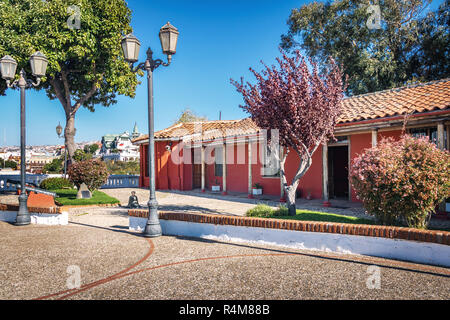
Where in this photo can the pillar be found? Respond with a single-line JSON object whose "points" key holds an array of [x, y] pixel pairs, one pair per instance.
{"points": [[250, 183], [282, 197], [203, 167], [224, 169], [374, 137], [441, 146], [440, 136], [326, 196]]}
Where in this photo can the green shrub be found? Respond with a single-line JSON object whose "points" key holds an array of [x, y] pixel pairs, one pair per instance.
{"points": [[402, 181], [56, 166], [56, 183], [123, 167], [260, 210], [91, 172], [281, 211], [11, 164]]}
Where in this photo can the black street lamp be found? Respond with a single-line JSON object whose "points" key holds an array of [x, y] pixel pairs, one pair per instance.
{"points": [[58, 132], [168, 36], [8, 67]]}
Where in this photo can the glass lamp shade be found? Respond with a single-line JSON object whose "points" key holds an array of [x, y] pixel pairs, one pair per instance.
{"points": [[8, 67], [59, 129], [131, 46], [168, 35], [39, 63]]}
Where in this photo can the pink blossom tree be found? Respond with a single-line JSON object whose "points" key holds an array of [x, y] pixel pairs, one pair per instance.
{"points": [[300, 102]]}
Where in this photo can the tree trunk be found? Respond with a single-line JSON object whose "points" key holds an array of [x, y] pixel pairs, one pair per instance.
{"points": [[290, 200], [69, 135]]}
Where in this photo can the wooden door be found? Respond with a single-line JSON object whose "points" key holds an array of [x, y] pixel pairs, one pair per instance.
{"points": [[196, 172]]}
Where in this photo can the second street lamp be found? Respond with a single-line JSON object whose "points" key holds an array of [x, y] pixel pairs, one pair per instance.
{"points": [[168, 35], [58, 132], [8, 67]]}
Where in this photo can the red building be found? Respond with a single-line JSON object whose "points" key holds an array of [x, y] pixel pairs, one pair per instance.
{"points": [[192, 155]]}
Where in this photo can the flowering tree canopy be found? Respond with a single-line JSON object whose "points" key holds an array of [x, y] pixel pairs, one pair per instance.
{"points": [[299, 102]]}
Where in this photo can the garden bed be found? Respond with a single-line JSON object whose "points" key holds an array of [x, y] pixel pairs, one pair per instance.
{"points": [[68, 197], [265, 211]]}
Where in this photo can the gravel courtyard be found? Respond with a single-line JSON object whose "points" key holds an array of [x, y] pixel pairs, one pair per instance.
{"points": [[232, 204], [39, 261]]}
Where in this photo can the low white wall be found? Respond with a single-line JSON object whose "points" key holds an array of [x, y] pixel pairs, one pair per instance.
{"points": [[420, 252], [38, 218]]}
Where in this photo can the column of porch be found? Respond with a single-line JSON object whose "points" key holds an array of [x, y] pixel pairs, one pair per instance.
{"points": [[202, 153], [326, 196], [282, 195], [250, 183], [224, 168]]}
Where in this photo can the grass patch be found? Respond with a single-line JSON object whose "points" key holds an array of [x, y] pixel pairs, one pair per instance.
{"points": [[306, 215], [68, 197], [265, 211]]}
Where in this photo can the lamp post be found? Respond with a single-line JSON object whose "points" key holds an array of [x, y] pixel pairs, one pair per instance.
{"points": [[8, 67], [168, 36], [58, 132]]}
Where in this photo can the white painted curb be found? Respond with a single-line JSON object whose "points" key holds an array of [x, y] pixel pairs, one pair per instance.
{"points": [[38, 218], [414, 251]]}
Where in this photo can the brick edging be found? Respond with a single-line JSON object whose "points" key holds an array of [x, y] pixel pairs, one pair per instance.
{"points": [[440, 237], [15, 207], [51, 210]]}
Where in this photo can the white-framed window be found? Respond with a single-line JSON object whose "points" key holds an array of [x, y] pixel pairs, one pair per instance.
{"points": [[271, 161], [430, 132]]}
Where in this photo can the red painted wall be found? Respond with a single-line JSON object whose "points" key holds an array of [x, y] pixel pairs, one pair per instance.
{"points": [[172, 174], [360, 142]]}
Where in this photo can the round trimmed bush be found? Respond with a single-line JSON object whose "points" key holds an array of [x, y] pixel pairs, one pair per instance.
{"points": [[92, 172], [402, 182], [55, 184]]}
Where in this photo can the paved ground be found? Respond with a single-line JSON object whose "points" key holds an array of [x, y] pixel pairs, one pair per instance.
{"points": [[238, 204], [235, 204], [118, 264]]}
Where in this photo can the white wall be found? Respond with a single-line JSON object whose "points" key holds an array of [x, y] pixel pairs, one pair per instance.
{"points": [[421, 252], [38, 218]]}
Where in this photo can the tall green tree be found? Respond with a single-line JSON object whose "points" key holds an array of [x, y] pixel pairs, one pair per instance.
{"points": [[432, 57], [187, 115], [81, 39], [91, 148], [374, 55]]}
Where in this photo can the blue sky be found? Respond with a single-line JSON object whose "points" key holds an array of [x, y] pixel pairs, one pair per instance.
{"points": [[219, 40]]}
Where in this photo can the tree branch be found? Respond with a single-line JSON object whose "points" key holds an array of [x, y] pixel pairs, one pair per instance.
{"points": [[59, 94], [282, 172], [66, 85], [85, 98]]}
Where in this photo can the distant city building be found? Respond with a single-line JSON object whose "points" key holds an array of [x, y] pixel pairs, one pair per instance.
{"points": [[119, 146], [37, 162]]}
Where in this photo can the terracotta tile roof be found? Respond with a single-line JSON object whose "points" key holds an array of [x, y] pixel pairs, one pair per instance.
{"points": [[409, 99], [414, 98], [205, 130]]}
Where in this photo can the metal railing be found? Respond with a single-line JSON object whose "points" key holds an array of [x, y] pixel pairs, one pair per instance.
{"points": [[114, 181], [33, 179], [121, 181]]}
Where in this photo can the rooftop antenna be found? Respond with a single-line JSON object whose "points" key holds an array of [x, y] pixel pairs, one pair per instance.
{"points": [[220, 115]]}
